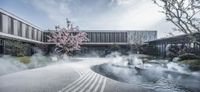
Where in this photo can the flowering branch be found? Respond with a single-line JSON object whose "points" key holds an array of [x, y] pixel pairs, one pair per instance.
{"points": [[67, 39]]}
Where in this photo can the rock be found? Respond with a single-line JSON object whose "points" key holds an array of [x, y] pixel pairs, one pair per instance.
{"points": [[176, 59]]}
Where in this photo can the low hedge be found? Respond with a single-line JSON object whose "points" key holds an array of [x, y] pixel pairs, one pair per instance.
{"points": [[188, 56], [24, 59], [194, 64]]}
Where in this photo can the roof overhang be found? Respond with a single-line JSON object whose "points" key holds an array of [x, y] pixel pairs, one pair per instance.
{"points": [[9, 36]]}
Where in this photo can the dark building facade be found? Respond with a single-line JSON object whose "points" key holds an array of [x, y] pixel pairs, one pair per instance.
{"points": [[160, 46], [122, 37], [16, 33], [106, 41], [116, 40]]}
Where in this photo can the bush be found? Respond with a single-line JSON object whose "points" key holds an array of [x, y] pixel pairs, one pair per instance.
{"points": [[24, 59], [188, 56], [194, 65], [115, 47], [20, 55]]}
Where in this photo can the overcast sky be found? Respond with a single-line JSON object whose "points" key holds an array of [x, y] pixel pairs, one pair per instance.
{"points": [[91, 14]]}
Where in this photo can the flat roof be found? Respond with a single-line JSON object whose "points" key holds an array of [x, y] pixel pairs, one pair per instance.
{"points": [[112, 30], [9, 36], [18, 18], [179, 37]]}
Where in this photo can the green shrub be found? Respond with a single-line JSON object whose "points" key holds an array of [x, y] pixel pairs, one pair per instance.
{"points": [[24, 59], [115, 47], [188, 56], [194, 64], [20, 55]]}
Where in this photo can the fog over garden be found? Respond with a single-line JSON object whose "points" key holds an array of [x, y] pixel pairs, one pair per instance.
{"points": [[100, 46]]}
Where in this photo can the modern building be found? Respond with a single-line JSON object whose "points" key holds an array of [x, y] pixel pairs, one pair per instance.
{"points": [[120, 37], [16, 32], [121, 40], [105, 41], [159, 47], [13, 27]]}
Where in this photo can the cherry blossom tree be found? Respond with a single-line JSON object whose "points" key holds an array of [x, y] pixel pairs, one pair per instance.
{"points": [[67, 39]]}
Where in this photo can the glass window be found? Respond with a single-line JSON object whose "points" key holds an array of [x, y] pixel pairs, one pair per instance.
{"points": [[10, 25], [33, 33], [126, 37], [23, 30], [27, 31], [89, 36], [107, 37], [94, 37], [98, 37], [19, 28], [101, 36], [117, 36], [45, 35], [1, 23], [110, 37], [42, 36], [121, 36], [113, 37], [37, 35]]}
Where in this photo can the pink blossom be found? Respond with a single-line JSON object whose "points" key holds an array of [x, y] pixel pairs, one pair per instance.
{"points": [[67, 39]]}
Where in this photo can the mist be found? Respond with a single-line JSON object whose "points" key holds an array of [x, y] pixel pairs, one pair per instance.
{"points": [[158, 75], [10, 64]]}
